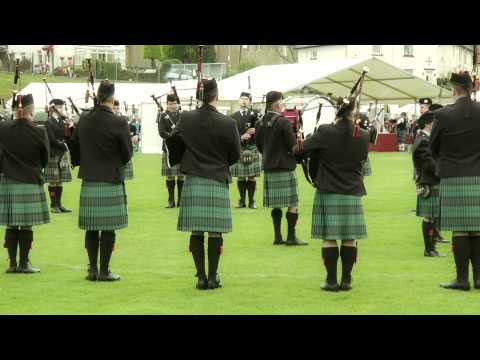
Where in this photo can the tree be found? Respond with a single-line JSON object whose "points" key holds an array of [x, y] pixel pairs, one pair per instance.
{"points": [[289, 56], [153, 52]]}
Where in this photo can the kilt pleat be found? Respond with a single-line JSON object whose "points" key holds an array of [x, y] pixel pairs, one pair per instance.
{"points": [[166, 171], [58, 169], [367, 168], [205, 206], [253, 169], [460, 204], [103, 206], [338, 217], [280, 189], [429, 207], [128, 170], [22, 204]]}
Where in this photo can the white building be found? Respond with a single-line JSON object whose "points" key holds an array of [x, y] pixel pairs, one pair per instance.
{"points": [[428, 62]]}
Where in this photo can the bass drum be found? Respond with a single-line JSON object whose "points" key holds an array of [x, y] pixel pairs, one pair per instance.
{"points": [[310, 111]]}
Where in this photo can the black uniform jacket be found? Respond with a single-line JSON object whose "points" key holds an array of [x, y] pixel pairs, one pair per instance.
{"points": [[105, 146], [275, 142], [212, 143], [245, 122], [341, 157], [56, 135], [25, 151], [423, 160], [166, 123], [455, 139]]}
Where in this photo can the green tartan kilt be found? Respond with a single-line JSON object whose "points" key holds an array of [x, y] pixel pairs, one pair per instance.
{"points": [[338, 217], [22, 204], [367, 168], [58, 169], [128, 170], [280, 189], [103, 206], [253, 169], [460, 204], [429, 207], [173, 171], [205, 206]]}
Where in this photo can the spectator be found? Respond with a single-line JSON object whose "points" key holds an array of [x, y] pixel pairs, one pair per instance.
{"points": [[402, 130]]}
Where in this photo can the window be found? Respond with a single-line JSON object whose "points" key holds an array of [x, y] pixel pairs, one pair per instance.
{"points": [[408, 50], [377, 50], [313, 55]]}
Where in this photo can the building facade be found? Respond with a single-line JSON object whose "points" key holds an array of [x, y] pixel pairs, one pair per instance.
{"points": [[429, 62], [234, 55]]}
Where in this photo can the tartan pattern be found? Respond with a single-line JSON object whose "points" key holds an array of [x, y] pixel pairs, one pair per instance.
{"points": [[460, 204], [429, 207], [103, 206], [22, 204], [367, 168], [280, 189], [338, 217], [58, 169], [205, 206], [401, 135], [252, 169], [128, 170], [173, 171]]}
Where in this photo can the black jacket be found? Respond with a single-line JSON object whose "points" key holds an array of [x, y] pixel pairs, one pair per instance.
{"points": [[166, 123], [212, 143], [275, 143], [25, 151], [341, 157], [423, 160], [105, 146], [455, 139], [56, 135], [246, 122]]}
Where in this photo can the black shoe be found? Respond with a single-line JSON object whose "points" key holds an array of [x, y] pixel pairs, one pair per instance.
{"points": [[27, 269], [214, 283], [457, 285], [345, 286], [241, 205], [171, 205], [92, 274], [202, 284], [178, 204], [12, 269], [330, 287], [432, 253], [64, 210], [55, 210], [108, 277], [252, 205], [279, 242], [441, 241], [295, 242]]}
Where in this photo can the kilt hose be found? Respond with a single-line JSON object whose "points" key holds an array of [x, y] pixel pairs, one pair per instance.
{"points": [[367, 168], [460, 204], [22, 204], [280, 189], [103, 206], [205, 206], [173, 171], [252, 169], [58, 169], [401, 135], [338, 217], [128, 170], [429, 207]]}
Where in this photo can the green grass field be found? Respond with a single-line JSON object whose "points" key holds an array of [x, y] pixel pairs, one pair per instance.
{"points": [[391, 277]]}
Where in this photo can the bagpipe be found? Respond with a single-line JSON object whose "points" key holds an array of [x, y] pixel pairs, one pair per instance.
{"points": [[67, 123], [90, 83], [16, 103], [475, 73]]}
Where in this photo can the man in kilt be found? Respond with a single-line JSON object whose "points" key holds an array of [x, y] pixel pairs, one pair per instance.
{"points": [[105, 148], [275, 138], [211, 144], [456, 149], [58, 167], [366, 125], [23, 203], [337, 209], [402, 130], [166, 123], [129, 167], [249, 165], [428, 200]]}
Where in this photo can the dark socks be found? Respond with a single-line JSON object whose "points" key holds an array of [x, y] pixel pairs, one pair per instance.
{"points": [[25, 239], [292, 223], [428, 236], [92, 244], [475, 259], [11, 243], [251, 187], [52, 191], [242, 189], [277, 224], [107, 242], [461, 253], [349, 258], [197, 249], [171, 192], [214, 251], [330, 259], [179, 189]]}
